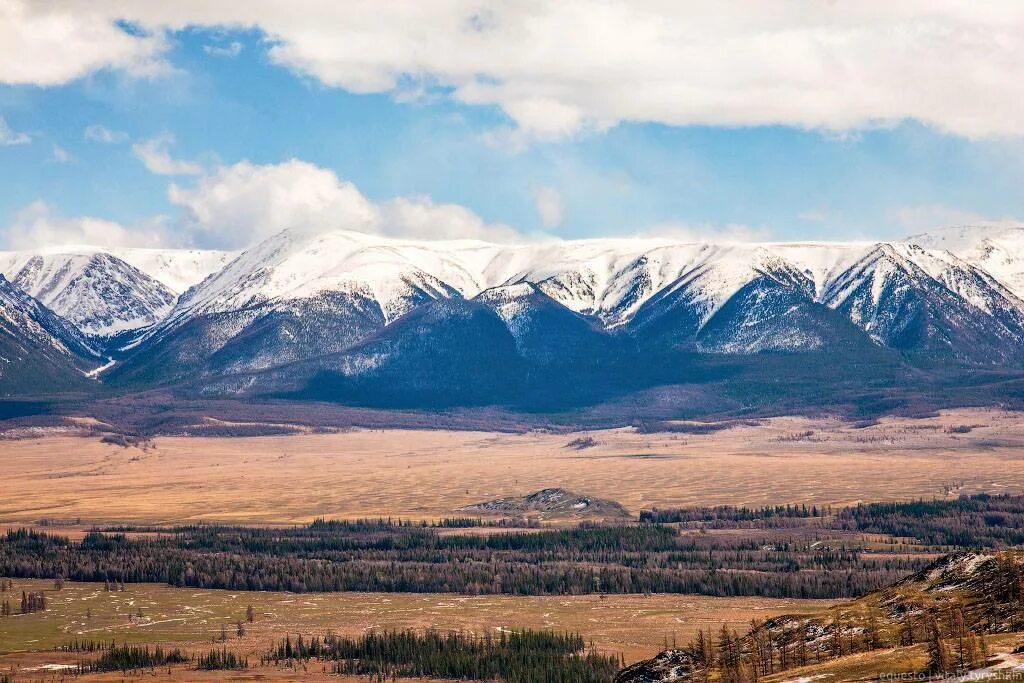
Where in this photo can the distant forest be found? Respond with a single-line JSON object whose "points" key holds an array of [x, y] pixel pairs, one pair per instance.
{"points": [[978, 521], [775, 552]]}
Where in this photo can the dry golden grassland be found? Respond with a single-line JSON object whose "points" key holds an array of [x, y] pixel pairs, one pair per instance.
{"points": [[634, 625], [430, 474]]}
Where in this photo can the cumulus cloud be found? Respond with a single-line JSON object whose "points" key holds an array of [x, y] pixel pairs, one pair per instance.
{"points": [[421, 218], [39, 225], [550, 207], [558, 68], [52, 43], [9, 137], [240, 204], [155, 154], [237, 205], [103, 135]]}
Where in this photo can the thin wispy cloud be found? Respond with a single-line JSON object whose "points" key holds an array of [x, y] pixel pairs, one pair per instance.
{"points": [[232, 49], [155, 154], [9, 137], [61, 155], [99, 133]]}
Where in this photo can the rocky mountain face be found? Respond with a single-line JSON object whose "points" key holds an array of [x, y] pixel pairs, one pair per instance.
{"points": [[337, 314], [108, 294], [100, 294], [40, 352]]}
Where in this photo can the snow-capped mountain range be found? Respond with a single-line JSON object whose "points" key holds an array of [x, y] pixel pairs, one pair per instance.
{"points": [[352, 306]]}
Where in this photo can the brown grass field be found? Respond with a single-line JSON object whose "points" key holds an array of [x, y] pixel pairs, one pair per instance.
{"points": [[430, 474], [635, 626]]}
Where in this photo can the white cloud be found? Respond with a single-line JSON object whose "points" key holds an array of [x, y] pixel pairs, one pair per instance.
{"points": [[155, 154], [233, 49], [550, 207], [240, 204], [52, 43], [38, 225], [559, 68], [421, 218], [103, 135], [237, 205], [9, 137]]}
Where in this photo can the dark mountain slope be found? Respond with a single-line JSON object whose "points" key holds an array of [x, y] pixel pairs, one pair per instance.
{"points": [[40, 352]]}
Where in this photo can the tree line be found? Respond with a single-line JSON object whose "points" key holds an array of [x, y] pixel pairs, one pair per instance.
{"points": [[389, 558], [982, 520], [131, 658], [975, 521], [515, 657]]}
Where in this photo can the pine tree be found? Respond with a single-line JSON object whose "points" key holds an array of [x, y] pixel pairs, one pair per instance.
{"points": [[729, 656], [939, 660], [872, 631], [801, 645], [837, 634]]}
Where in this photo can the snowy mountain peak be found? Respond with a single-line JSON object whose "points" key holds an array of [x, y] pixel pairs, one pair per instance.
{"points": [[101, 294]]}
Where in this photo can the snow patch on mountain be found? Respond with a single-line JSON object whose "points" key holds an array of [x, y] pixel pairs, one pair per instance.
{"points": [[177, 269]]}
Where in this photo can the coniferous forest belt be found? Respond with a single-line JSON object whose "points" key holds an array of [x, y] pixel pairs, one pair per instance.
{"points": [[774, 552]]}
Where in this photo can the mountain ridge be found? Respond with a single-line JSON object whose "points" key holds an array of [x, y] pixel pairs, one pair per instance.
{"points": [[308, 310]]}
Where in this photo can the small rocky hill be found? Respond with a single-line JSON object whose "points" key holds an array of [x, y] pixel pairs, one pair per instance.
{"points": [[552, 502]]}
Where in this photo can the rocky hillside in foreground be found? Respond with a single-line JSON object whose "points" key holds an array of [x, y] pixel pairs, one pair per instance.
{"points": [[942, 620]]}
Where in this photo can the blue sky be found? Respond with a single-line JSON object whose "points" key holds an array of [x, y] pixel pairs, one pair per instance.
{"points": [[220, 97]]}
